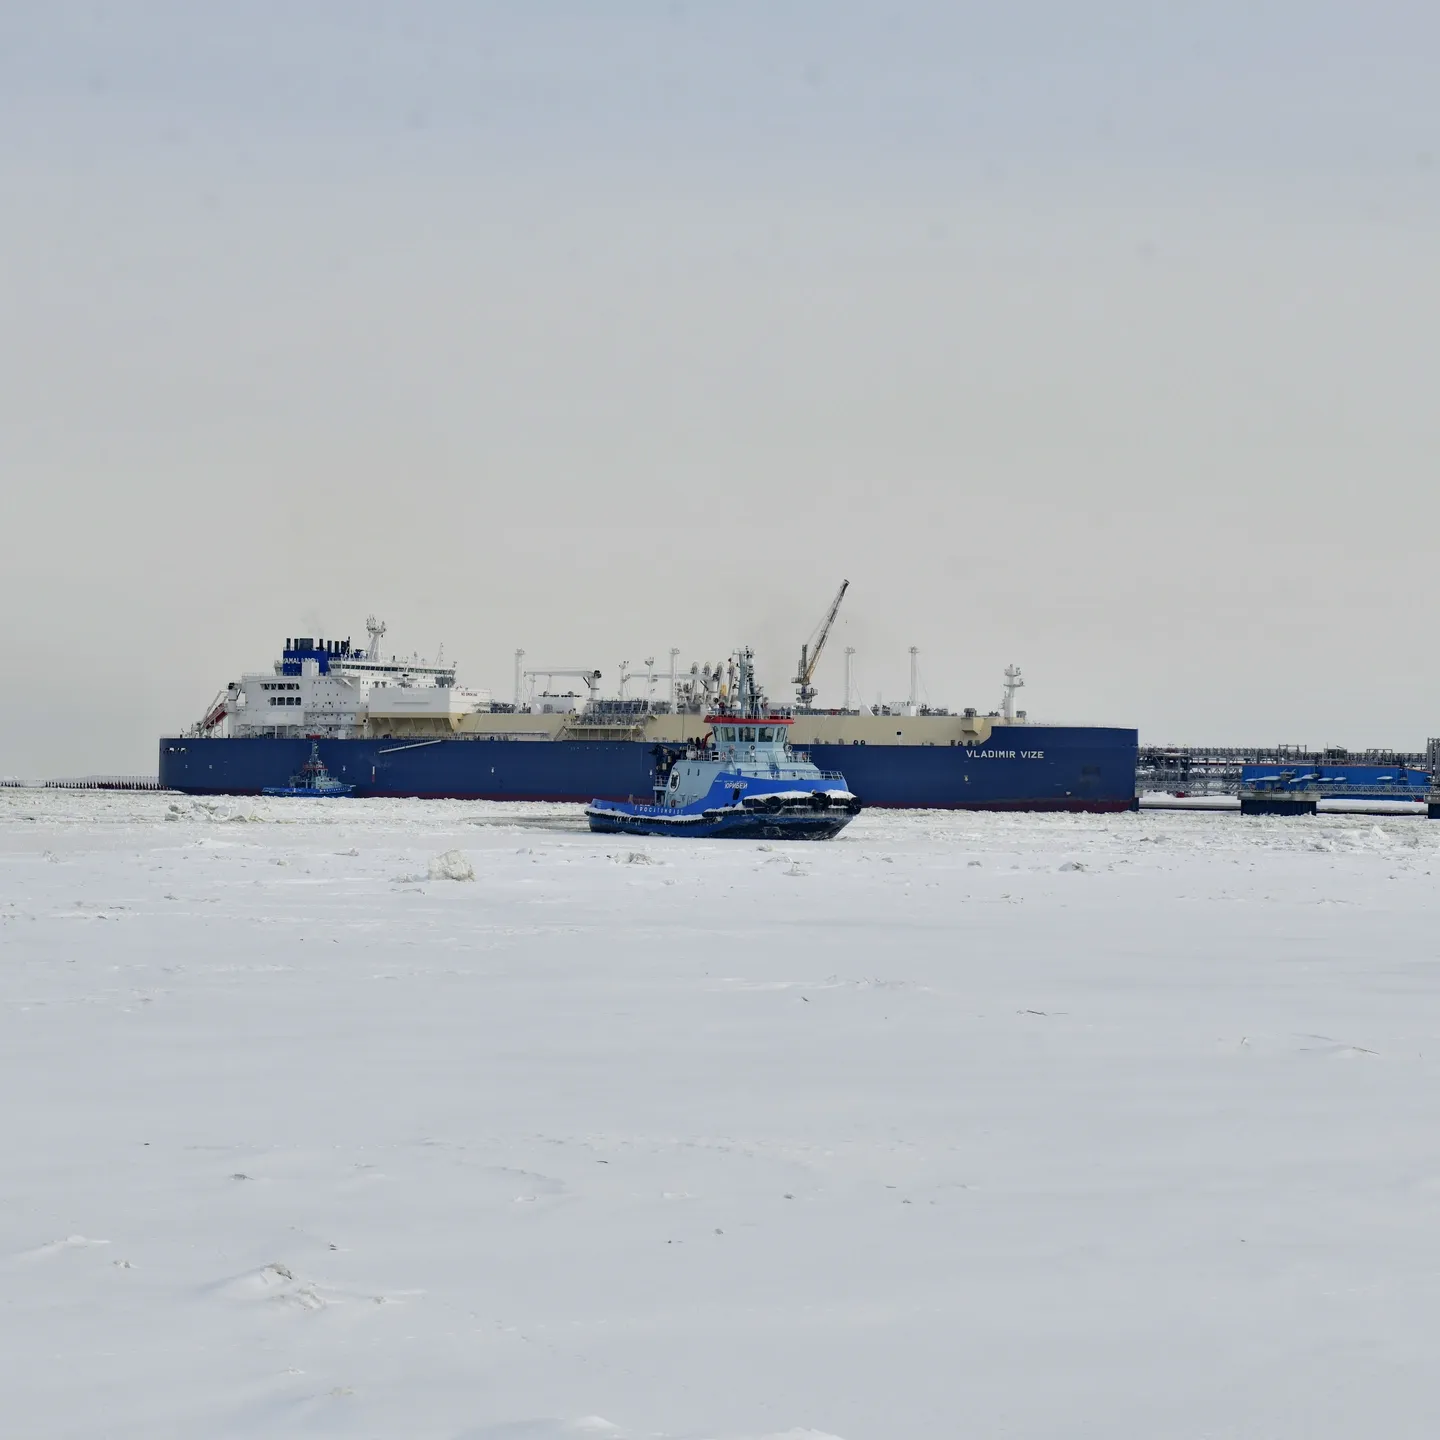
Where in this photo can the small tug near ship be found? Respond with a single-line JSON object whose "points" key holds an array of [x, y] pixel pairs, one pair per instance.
{"points": [[314, 780], [740, 781]]}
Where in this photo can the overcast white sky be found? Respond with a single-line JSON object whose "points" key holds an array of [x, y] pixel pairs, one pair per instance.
{"points": [[1101, 339]]}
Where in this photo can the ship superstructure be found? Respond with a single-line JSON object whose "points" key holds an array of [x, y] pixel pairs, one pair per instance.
{"points": [[334, 690]]}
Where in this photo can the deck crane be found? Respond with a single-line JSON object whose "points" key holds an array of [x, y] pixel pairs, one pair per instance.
{"points": [[810, 650]]}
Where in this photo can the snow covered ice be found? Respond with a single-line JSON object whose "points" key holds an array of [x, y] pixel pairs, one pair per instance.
{"points": [[957, 1125]]}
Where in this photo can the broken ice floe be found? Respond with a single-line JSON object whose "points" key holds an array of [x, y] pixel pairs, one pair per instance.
{"points": [[452, 865]]}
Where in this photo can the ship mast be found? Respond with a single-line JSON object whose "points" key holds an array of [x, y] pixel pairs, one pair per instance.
{"points": [[1013, 682]]}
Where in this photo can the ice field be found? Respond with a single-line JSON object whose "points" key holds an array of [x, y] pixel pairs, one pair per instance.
{"points": [[959, 1125]]}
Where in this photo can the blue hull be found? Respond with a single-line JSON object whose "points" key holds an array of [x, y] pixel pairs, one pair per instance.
{"points": [[1044, 767], [734, 825], [1050, 767], [306, 792]]}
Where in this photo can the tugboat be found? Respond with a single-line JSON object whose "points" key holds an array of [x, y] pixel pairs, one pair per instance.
{"points": [[742, 781], [314, 780]]}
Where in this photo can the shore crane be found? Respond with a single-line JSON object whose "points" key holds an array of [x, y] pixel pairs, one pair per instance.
{"points": [[810, 650]]}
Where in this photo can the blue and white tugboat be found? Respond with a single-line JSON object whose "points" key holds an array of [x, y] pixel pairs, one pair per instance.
{"points": [[312, 781], [742, 781]]}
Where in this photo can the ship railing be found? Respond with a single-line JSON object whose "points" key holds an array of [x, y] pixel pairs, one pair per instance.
{"points": [[1366, 790], [637, 709], [802, 757]]}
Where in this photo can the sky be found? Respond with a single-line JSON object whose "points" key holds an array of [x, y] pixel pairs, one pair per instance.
{"points": [[1099, 340]]}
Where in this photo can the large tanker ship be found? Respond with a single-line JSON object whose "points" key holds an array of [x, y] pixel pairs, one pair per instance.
{"points": [[396, 726]]}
